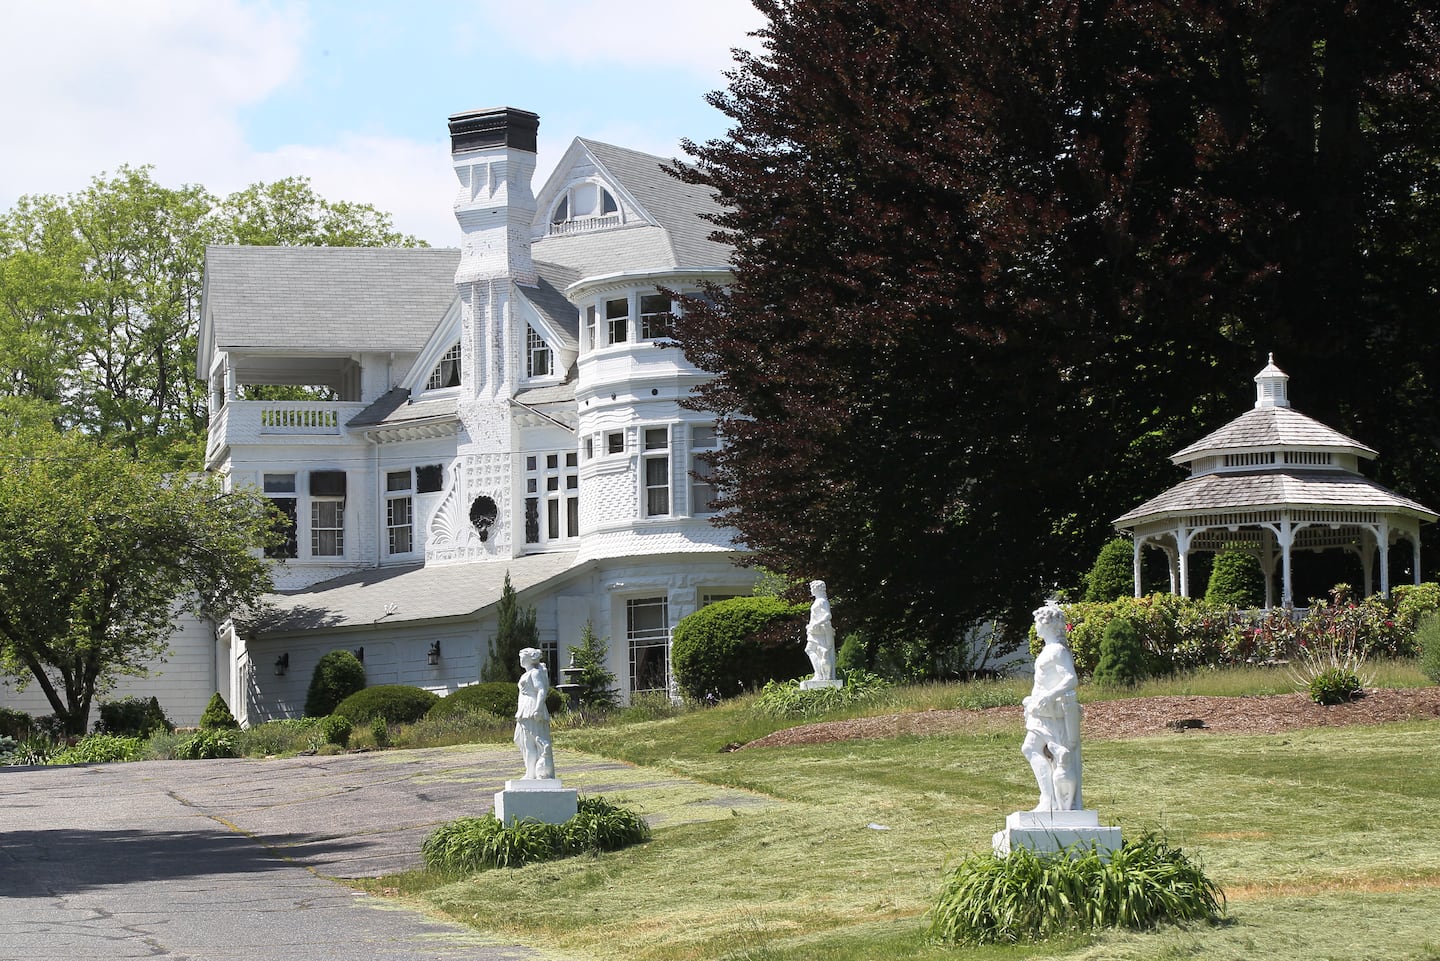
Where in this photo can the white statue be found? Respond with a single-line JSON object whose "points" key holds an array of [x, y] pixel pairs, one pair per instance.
{"points": [[532, 718], [1052, 717], [820, 634]]}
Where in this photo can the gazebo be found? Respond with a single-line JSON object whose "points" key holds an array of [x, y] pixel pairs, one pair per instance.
{"points": [[1273, 482]]}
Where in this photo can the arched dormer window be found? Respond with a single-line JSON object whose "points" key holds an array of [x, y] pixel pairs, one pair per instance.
{"points": [[586, 205], [447, 372], [537, 354]]}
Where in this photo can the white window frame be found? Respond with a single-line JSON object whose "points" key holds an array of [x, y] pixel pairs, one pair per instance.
{"points": [[702, 488], [656, 497], [334, 531], [538, 355], [617, 324], [656, 324], [438, 379], [646, 643], [398, 501], [564, 220], [552, 499]]}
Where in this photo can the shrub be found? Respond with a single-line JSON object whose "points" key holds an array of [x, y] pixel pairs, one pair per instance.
{"points": [[133, 716], [380, 732], [468, 845], [99, 749], [285, 736], [336, 729], [596, 680], [217, 716], [1122, 656], [514, 631], [1335, 685], [33, 750], [853, 655], [649, 706], [207, 744], [1236, 579], [338, 675], [731, 646], [396, 703], [1428, 637], [786, 699], [1112, 576], [1030, 897], [493, 697], [14, 724], [1412, 604]]}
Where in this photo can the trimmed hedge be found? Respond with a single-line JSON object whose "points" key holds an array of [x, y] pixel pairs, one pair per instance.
{"points": [[1181, 633], [491, 697], [396, 703], [732, 646], [338, 675]]}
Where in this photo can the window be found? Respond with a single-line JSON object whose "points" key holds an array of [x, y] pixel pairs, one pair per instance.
{"points": [[590, 342], [584, 206], [327, 513], [655, 316], [399, 513], [447, 372], [647, 629], [617, 320], [704, 442], [657, 471], [287, 523], [537, 354], [552, 495], [615, 442]]}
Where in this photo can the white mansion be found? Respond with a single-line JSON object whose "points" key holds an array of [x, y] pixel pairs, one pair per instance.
{"points": [[512, 407]]}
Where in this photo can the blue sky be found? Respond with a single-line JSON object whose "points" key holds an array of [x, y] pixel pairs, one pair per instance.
{"points": [[353, 94]]}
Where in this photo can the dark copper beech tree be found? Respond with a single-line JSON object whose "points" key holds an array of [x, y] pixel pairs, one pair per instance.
{"points": [[995, 260]]}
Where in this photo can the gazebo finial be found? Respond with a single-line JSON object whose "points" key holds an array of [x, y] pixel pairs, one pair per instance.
{"points": [[1270, 389]]}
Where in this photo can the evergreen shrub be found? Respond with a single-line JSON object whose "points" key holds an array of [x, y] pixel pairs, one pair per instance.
{"points": [[597, 680], [732, 646], [1236, 579], [989, 899], [493, 697], [1428, 638], [852, 656], [336, 729], [1122, 655], [1112, 576], [133, 717], [396, 703], [380, 732], [338, 675], [217, 716]]}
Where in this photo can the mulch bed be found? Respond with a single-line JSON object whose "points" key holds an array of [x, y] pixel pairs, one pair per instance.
{"points": [[1142, 717]]}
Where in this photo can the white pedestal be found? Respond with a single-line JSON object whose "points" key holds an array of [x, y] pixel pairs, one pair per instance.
{"points": [[1047, 832], [542, 799], [814, 685]]}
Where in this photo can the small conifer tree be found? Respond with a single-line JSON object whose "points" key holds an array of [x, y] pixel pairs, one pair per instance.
{"points": [[1122, 655], [598, 680], [217, 716], [1112, 576], [1236, 579], [515, 631]]}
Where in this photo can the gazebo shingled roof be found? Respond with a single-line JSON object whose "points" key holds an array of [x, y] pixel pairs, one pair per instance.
{"points": [[1273, 481]]}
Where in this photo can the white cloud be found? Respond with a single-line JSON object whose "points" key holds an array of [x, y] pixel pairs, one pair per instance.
{"points": [[92, 84]]}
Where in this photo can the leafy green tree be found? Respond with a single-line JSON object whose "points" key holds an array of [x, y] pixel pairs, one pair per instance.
{"points": [[995, 261], [1112, 576], [100, 551], [514, 632], [100, 297]]}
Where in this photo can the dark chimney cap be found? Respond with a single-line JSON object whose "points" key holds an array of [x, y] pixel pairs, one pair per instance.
{"points": [[493, 127]]}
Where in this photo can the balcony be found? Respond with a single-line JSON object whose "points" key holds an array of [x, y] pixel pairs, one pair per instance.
{"points": [[279, 422]]}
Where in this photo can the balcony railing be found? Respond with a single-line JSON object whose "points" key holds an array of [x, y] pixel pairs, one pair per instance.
{"points": [[271, 421]]}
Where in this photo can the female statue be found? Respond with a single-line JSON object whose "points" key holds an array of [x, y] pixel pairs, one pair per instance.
{"points": [[532, 718]]}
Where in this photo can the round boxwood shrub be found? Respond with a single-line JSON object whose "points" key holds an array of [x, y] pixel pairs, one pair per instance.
{"points": [[731, 646], [492, 697], [396, 703], [336, 729], [338, 675]]}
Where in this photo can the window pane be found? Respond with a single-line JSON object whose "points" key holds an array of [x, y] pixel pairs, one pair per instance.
{"points": [[327, 483], [702, 435], [583, 200], [572, 517], [279, 483], [657, 438], [429, 479], [286, 524], [397, 480], [615, 443], [552, 518]]}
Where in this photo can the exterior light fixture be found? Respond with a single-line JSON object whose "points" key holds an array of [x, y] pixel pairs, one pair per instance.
{"points": [[434, 654], [360, 654], [282, 664]]}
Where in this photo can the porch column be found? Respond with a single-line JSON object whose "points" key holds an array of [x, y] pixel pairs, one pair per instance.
{"points": [[1383, 538], [1182, 546], [1286, 538], [1267, 564], [1137, 566]]}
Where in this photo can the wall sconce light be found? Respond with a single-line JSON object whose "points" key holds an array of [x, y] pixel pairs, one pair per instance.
{"points": [[360, 654], [434, 653], [282, 664]]}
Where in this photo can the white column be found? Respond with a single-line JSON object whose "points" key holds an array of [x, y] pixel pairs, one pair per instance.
{"points": [[1267, 564], [1286, 538], [1383, 537], [1182, 545], [1137, 566], [1367, 564]]}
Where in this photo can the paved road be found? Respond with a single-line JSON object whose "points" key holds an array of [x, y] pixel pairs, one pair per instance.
{"points": [[201, 860]]}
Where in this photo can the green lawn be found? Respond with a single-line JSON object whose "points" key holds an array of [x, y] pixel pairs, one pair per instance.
{"points": [[833, 852]]}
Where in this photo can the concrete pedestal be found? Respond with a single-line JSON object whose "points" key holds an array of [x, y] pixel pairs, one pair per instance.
{"points": [[541, 800], [813, 685], [1046, 832]]}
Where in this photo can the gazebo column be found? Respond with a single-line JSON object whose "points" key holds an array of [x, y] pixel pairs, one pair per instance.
{"points": [[1382, 537], [1182, 548], [1415, 551], [1367, 566], [1286, 536], [1267, 564], [1136, 563]]}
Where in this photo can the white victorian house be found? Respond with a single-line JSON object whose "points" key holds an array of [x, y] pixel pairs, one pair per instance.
{"points": [[512, 407]]}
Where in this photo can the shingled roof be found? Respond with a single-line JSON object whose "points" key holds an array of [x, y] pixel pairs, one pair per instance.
{"points": [[1269, 427], [313, 298], [1273, 489]]}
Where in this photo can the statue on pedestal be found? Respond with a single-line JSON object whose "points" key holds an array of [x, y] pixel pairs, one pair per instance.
{"points": [[532, 717], [820, 634], [1052, 717]]}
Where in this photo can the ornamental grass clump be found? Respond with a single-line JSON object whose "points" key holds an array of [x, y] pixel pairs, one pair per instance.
{"points": [[468, 845], [786, 699], [1032, 897]]}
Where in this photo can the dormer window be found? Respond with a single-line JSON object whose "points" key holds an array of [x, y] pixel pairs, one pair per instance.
{"points": [[537, 354], [584, 206], [447, 372]]}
